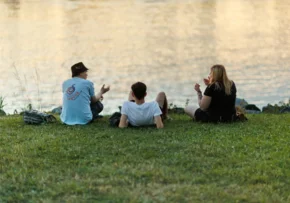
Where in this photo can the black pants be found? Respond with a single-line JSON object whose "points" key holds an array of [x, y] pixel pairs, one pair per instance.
{"points": [[205, 116], [96, 108]]}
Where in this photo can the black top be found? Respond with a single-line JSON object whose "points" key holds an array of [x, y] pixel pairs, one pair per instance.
{"points": [[222, 106]]}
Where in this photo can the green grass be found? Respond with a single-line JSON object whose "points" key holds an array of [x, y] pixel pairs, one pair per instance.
{"points": [[185, 162]]}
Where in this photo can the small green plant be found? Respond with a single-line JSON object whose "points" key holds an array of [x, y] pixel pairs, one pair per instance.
{"points": [[172, 108], [2, 103], [27, 108], [2, 112], [186, 102], [22, 80]]}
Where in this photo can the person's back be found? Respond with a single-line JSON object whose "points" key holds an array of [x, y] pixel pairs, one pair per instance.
{"points": [[77, 93], [80, 104], [222, 106], [137, 112], [218, 102], [141, 114]]}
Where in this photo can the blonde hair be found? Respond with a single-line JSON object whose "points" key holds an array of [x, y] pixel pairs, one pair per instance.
{"points": [[219, 76]]}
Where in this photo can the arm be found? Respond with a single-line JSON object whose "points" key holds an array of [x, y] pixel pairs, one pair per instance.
{"points": [[99, 96], [158, 121], [203, 101], [199, 97], [123, 121]]}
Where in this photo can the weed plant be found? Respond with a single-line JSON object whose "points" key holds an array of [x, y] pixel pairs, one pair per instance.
{"points": [[2, 103], [25, 92], [2, 112]]}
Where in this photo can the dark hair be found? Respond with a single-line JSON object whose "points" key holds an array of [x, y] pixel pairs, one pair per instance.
{"points": [[139, 90]]}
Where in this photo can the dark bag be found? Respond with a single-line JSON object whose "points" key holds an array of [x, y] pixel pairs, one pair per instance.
{"points": [[35, 117], [114, 120], [240, 114]]}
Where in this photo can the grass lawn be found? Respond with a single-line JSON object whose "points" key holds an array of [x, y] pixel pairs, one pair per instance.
{"points": [[185, 162]]}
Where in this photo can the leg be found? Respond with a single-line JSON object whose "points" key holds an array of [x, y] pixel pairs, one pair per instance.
{"points": [[190, 110], [161, 99], [96, 108]]}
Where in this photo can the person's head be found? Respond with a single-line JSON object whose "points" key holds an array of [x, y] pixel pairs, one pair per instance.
{"points": [[139, 90], [218, 75], [79, 70]]}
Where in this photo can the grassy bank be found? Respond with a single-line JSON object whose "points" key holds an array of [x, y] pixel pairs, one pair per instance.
{"points": [[185, 162]]}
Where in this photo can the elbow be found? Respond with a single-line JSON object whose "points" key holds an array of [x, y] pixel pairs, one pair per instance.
{"points": [[123, 124], [203, 108]]}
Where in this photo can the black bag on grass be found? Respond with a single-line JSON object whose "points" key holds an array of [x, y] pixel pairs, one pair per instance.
{"points": [[115, 119], [36, 117]]}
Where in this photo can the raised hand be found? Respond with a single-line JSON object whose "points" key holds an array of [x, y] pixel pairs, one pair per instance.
{"points": [[105, 89], [197, 87]]}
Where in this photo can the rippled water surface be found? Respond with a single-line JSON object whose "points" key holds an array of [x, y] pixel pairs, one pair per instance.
{"points": [[168, 44]]}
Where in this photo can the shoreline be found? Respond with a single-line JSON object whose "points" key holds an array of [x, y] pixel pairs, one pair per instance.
{"points": [[248, 108]]}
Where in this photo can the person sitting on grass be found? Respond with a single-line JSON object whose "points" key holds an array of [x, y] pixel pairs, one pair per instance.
{"points": [[80, 104], [137, 112], [218, 102]]}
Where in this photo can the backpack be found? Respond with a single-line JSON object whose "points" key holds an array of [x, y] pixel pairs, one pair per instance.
{"points": [[240, 114], [35, 117], [114, 120]]}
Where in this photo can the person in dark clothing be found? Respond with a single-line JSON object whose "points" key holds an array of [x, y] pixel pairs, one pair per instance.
{"points": [[218, 102]]}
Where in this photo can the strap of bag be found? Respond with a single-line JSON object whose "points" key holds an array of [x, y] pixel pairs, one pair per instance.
{"points": [[50, 118]]}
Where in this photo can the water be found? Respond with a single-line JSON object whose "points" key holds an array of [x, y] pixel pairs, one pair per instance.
{"points": [[168, 44]]}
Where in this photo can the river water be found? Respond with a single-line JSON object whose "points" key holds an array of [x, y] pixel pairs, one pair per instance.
{"points": [[168, 44]]}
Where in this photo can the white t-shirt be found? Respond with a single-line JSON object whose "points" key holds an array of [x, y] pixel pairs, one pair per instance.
{"points": [[141, 115]]}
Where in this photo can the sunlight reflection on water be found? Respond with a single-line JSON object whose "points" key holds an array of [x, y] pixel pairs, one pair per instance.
{"points": [[169, 45]]}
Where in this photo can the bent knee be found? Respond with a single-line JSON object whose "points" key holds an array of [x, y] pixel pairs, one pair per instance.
{"points": [[187, 109], [190, 110]]}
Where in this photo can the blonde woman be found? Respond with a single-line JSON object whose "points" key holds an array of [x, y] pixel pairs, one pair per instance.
{"points": [[218, 102]]}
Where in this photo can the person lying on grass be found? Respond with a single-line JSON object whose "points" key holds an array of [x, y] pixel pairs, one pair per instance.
{"points": [[80, 104], [218, 102], [137, 112]]}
